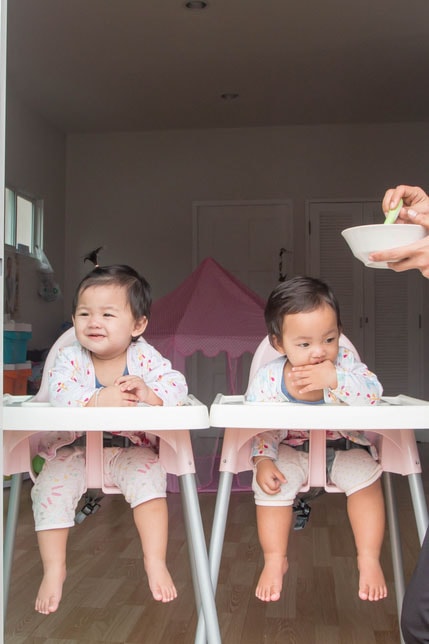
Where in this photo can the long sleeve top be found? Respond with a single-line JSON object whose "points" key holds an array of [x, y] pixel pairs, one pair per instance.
{"points": [[72, 383], [356, 385]]}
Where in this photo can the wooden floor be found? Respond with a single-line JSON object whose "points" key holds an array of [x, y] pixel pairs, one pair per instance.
{"points": [[106, 598]]}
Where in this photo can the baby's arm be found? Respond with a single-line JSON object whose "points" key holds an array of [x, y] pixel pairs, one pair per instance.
{"points": [[268, 475], [357, 385], [265, 449], [68, 384], [165, 383]]}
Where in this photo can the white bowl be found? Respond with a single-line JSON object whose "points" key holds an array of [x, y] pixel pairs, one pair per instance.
{"points": [[364, 240]]}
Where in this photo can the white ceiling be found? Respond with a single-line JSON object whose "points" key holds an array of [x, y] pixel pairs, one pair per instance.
{"points": [[125, 65]]}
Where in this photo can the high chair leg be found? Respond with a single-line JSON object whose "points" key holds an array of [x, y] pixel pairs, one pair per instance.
{"points": [[196, 537], [419, 504], [9, 534], [216, 542], [395, 542], [192, 562]]}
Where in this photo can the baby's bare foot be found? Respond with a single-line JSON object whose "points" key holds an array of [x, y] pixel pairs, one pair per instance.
{"points": [[50, 591], [160, 581], [270, 582], [372, 585]]}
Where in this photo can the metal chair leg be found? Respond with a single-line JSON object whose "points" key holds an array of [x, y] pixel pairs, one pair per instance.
{"points": [[10, 532]]}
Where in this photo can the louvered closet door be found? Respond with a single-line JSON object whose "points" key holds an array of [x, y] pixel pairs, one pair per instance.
{"points": [[380, 308], [331, 260]]}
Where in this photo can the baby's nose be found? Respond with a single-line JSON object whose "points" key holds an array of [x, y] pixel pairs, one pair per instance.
{"points": [[94, 320], [318, 351]]}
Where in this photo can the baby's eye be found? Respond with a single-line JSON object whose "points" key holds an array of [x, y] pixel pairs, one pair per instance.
{"points": [[108, 315], [82, 314], [329, 340], [304, 345]]}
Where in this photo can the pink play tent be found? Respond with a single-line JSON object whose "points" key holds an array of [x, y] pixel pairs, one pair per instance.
{"points": [[211, 311]]}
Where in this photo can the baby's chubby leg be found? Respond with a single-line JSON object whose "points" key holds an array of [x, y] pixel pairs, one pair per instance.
{"points": [[358, 474], [366, 513], [274, 524], [55, 495], [143, 481], [276, 484], [52, 547], [151, 519]]}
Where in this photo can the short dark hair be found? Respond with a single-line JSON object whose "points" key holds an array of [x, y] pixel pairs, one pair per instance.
{"points": [[138, 289], [299, 294]]}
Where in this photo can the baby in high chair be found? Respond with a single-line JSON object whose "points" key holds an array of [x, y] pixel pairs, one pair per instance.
{"points": [[109, 365], [303, 321]]}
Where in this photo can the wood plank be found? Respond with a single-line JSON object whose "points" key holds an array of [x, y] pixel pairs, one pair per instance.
{"points": [[106, 596]]}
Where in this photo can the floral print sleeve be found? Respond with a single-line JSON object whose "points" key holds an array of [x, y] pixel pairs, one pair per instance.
{"points": [[267, 443], [357, 385], [157, 372], [72, 378], [266, 387]]}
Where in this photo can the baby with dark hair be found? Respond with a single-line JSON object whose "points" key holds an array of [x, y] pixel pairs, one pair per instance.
{"points": [[109, 365], [303, 321]]}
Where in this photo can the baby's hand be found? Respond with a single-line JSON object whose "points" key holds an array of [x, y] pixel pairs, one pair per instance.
{"points": [[138, 387], [133, 384], [312, 377], [112, 396], [268, 476]]}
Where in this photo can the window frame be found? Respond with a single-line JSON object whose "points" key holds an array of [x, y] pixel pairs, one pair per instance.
{"points": [[11, 222]]}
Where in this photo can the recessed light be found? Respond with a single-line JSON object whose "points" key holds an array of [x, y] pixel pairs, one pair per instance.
{"points": [[229, 96], [196, 4]]}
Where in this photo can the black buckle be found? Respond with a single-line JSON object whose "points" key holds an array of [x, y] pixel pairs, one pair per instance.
{"points": [[91, 506], [302, 511]]}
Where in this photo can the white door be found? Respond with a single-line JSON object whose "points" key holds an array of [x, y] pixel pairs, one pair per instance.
{"points": [[380, 309], [246, 238]]}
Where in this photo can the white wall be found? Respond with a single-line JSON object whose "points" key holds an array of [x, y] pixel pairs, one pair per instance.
{"points": [[35, 163], [133, 192]]}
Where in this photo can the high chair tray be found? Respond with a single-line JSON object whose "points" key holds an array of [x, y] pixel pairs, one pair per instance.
{"points": [[21, 414], [394, 412]]}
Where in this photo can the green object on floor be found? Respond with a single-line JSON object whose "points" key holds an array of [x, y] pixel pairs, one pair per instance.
{"points": [[38, 463]]}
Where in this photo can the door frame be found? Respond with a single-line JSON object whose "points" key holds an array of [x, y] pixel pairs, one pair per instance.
{"points": [[3, 50], [229, 202]]}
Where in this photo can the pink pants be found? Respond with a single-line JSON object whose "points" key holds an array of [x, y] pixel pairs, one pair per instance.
{"points": [[136, 471]]}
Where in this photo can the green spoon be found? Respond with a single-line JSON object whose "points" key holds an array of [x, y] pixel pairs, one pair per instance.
{"points": [[392, 215]]}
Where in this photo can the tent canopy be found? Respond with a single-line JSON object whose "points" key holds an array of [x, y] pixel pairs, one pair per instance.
{"points": [[211, 311]]}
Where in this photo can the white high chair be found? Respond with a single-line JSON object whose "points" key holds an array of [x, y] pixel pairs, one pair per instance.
{"points": [[19, 448], [397, 454]]}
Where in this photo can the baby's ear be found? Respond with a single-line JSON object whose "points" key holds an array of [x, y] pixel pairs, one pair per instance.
{"points": [[276, 344], [140, 326]]}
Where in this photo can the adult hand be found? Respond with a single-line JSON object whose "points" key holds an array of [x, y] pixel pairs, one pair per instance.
{"points": [[405, 258], [414, 198], [415, 211]]}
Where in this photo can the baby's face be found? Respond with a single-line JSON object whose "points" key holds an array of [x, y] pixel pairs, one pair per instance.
{"points": [[310, 337], [104, 322]]}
